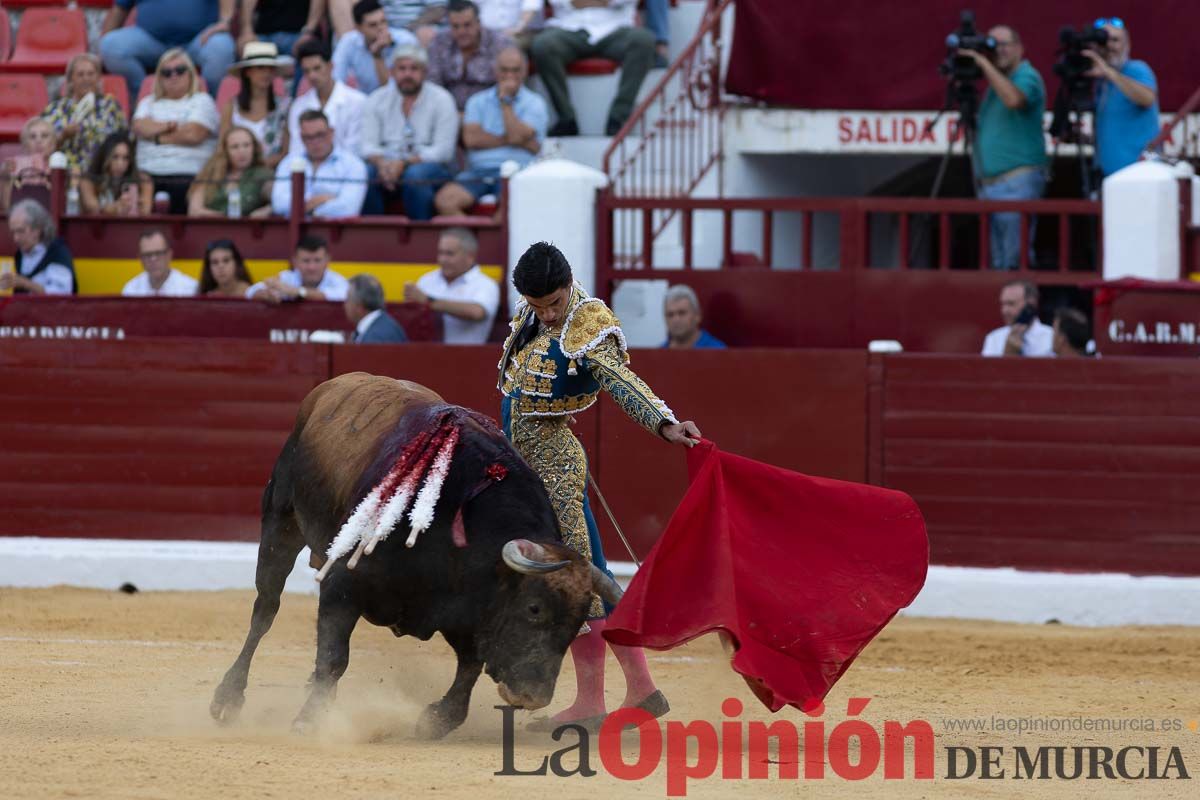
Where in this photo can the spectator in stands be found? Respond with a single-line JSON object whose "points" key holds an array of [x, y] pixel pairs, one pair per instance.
{"points": [[681, 310], [224, 272], [410, 132], [342, 105], [505, 123], [335, 180], [366, 53], [366, 310], [257, 108], [655, 18], [287, 24], [1126, 100], [519, 20], [586, 28], [458, 290], [1010, 148], [1072, 334], [43, 262], [176, 127], [198, 27], [462, 59], [84, 115], [114, 185], [237, 162], [159, 278], [310, 277], [1023, 333], [419, 17], [28, 175]]}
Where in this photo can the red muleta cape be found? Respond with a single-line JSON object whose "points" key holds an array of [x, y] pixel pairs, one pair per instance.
{"points": [[801, 572]]}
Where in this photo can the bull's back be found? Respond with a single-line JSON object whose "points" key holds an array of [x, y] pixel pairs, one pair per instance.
{"points": [[341, 423]]}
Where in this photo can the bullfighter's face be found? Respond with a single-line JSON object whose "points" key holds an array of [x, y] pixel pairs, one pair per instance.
{"points": [[551, 310]]}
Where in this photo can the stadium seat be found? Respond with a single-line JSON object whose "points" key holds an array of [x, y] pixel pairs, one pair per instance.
{"points": [[592, 66], [5, 37], [34, 3], [116, 86], [21, 97], [47, 38], [93, 3], [148, 86]]}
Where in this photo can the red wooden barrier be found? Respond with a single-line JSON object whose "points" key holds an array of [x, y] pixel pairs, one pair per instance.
{"points": [[1076, 465]]}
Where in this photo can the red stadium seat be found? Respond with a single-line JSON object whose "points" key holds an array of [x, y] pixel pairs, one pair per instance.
{"points": [[47, 39], [116, 86], [592, 66], [107, 3], [21, 97], [5, 37]]}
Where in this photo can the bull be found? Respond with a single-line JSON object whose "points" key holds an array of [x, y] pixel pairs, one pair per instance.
{"points": [[489, 571]]}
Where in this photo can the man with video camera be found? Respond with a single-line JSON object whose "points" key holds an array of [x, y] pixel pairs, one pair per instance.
{"points": [[1126, 99], [1010, 148]]}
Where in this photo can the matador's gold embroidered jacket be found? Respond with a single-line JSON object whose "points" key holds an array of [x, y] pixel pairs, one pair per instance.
{"points": [[558, 375]]}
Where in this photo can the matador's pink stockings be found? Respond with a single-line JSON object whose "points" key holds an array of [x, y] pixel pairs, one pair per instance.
{"points": [[587, 653]]}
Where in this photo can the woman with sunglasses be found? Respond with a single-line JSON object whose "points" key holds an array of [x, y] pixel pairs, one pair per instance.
{"points": [[176, 127], [224, 273], [1126, 99]]}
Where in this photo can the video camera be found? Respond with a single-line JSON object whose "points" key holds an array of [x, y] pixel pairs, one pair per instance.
{"points": [[959, 68], [1076, 91]]}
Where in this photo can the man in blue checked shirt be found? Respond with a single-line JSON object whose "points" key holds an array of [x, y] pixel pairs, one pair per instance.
{"points": [[504, 123]]}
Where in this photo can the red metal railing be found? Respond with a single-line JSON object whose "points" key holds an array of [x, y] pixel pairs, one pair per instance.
{"points": [[1186, 138], [673, 138], [923, 234]]}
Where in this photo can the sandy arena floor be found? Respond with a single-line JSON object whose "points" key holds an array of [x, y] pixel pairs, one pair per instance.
{"points": [[105, 695]]}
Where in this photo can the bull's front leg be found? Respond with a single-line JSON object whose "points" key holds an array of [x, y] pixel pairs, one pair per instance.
{"points": [[337, 614], [439, 718]]}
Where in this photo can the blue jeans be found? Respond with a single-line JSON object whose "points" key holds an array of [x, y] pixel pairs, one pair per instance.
{"points": [[655, 19], [479, 181], [132, 52], [418, 185], [1005, 228]]}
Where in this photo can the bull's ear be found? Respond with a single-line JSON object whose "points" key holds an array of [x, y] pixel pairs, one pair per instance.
{"points": [[529, 558], [605, 586]]}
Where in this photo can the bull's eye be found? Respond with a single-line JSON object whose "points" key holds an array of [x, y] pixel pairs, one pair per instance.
{"points": [[534, 609]]}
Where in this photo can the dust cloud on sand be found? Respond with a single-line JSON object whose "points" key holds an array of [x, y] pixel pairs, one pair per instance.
{"points": [[105, 695]]}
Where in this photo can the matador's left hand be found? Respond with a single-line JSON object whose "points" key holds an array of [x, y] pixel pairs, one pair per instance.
{"points": [[685, 433]]}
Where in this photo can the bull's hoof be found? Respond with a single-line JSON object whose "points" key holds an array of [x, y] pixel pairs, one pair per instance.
{"points": [[226, 705], [435, 723], [303, 726]]}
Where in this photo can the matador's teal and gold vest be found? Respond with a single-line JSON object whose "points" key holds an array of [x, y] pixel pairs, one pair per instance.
{"points": [[548, 377]]}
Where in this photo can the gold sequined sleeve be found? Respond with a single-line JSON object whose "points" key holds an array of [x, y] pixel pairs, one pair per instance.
{"points": [[607, 364]]}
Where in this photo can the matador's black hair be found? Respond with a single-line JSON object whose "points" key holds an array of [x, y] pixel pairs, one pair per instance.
{"points": [[542, 270]]}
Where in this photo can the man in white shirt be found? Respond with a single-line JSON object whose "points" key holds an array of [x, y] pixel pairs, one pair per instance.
{"points": [[159, 278], [586, 29], [342, 105], [1023, 333], [459, 291], [310, 277], [516, 19], [335, 180], [43, 262]]}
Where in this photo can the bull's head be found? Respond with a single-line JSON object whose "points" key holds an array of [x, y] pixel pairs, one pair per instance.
{"points": [[544, 595]]}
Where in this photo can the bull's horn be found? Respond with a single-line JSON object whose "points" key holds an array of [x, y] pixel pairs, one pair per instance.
{"points": [[605, 586], [516, 559]]}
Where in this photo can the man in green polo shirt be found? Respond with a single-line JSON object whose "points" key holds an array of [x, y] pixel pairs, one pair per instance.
{"points": [[1010, 147]]}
